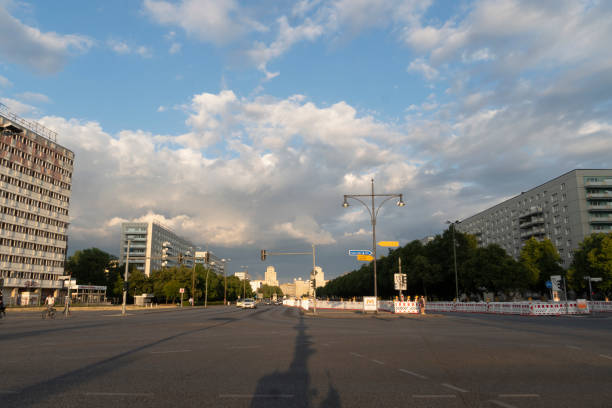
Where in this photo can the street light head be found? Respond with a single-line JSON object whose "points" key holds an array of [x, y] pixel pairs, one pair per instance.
{"points": [[401, 202], [345, 204]]}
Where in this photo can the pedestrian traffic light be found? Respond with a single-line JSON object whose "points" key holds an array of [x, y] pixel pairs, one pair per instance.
{"points": [[264, 254], [180, 259], [207, 257], [126, 286]]}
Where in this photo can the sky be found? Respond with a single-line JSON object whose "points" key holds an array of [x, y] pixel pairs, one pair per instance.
{"points": [[241, 124]]}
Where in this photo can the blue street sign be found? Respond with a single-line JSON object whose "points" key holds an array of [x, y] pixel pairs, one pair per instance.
{"points": [[355, 252], [549, 284]]}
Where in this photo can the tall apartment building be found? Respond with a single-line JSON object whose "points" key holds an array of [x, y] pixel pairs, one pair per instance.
{"points": [[216, 264], [565, 210], [148, 242], [35, 187]]}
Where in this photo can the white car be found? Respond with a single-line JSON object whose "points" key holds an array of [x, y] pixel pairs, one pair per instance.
{"points": [[248, 304], [239, 303]]}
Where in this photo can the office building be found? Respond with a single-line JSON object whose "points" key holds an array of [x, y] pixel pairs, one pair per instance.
{"points": [[35, 189], [215, 264], [565, 210], [242, 275], [153, 246], [319, 277]]}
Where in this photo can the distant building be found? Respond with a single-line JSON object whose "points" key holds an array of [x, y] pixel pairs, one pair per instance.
{"points": [[565, 210], [319, 277], [149, 241], [427, 240], [298, 288], [216, 264], [35, 189], [242, 275], [270, 277], [256, 284]]}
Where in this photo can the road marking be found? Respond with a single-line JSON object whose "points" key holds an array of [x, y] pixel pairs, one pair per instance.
{"points": [[452, 387], [325, 344], [356, 354], [501, 404], [8, 392], [573, 347], [243, 347], [519, 395], [605, 356], [170, 351], [434, 396], [256, 396], [120, 394], [413, 373], [378, 362]]}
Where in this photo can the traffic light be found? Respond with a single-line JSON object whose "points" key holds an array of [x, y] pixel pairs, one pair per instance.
{"points": [[180, 259], [207, 257], [264, 254], [126, 286]]}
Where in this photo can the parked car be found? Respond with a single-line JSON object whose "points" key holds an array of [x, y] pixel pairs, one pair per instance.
{"points": [[249, 304]]}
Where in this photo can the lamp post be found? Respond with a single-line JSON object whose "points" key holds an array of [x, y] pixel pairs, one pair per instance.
{"points": [[206, 285], [246, 273], [125, 279], [225, 282], [373, 214], [455, 259]]}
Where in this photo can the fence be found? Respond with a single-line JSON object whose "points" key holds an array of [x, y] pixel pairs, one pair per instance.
{"points": [[579, 306]]}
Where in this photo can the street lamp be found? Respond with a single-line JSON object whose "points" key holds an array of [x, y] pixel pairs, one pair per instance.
{"points": [[225, 281], [125, 280], [373, 213], [455, 258], [206, 285], [246, 273]]}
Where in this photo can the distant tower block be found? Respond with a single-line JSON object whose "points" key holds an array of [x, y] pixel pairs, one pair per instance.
{"points": [[270, 278]]}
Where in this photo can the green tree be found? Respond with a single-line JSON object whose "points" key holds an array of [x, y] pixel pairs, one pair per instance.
{"points": [[268, 291], [593, 258], [540, 259], [88, 266]]}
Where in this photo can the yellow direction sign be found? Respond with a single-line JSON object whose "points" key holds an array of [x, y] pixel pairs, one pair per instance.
{"points": [[388, 243], [365, 258]]}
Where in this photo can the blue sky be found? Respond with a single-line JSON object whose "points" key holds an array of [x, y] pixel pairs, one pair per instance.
{"points": [[242, 124]]}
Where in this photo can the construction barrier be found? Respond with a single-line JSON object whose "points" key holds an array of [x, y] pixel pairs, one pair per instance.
{"points": [[579, 306], [600, 306]]}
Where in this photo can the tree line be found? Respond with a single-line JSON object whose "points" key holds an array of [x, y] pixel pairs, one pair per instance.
{"points": [[93, 266], [430, 269]]}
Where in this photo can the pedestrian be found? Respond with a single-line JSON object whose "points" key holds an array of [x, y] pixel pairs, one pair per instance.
{"points": [[67, 306]]}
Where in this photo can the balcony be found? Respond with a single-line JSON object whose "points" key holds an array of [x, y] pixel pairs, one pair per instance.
{"points": [[530, 211], [600, 220], [603, 183], [530, 222], [532, 232], [600, 194]]}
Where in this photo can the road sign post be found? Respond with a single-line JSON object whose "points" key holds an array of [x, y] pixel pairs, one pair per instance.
{"points": [[366, 258], [356, 252], [391, 244]]}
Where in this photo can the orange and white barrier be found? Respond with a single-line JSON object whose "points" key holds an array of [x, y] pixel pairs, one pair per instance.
{"points": [[579, 306]]}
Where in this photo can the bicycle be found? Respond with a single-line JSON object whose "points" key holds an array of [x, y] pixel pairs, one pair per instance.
{"points": [[49, 313], [2, 313]]}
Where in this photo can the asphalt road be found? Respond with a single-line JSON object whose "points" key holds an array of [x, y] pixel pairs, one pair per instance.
{"points": [[276, 357]]}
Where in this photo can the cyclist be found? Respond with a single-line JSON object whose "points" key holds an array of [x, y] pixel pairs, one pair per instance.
{"points": [[2, 307], [50, 302]]}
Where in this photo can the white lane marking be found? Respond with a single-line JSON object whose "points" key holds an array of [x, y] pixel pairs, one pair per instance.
{"points": [[501, 404], [120, 394], [356, 354], [519, 395], [605, 356], [378, 362], [413, 373], [434, 396], [325, 344], [256, 396], [243, 347], [8, 392], [170, 351], [573, 347], [452, 387]]}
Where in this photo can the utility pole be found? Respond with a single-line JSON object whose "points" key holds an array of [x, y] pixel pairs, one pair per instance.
{"points": [[193, 277], [125, 279]]}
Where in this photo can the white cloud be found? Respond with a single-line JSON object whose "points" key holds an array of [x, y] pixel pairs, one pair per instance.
{"points": [[419, 65], [175, 48], [19, 107], [123, 48], [34, 97], [4, 82], [45, 52], [215, 21]]}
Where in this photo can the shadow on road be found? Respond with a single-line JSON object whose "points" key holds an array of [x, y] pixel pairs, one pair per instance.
{"points": [[291, 388]]}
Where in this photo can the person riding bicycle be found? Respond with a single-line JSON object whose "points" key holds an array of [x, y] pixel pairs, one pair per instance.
{"points": [[2, 307], [50, 302]]}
